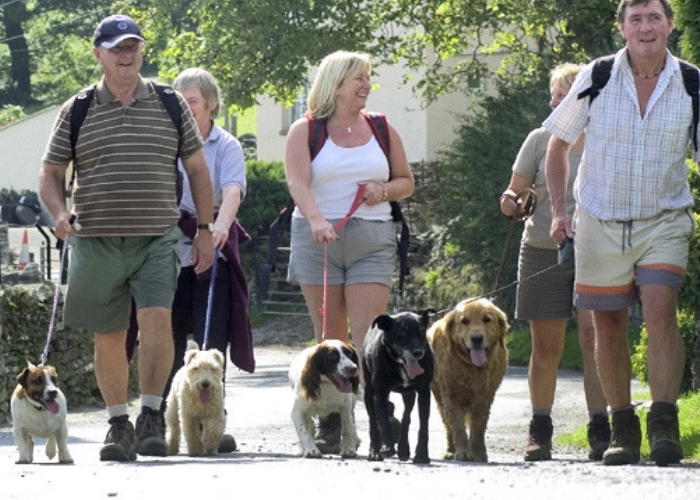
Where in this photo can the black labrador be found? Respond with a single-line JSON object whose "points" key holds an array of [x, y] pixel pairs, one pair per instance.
{"points": [[398, 358]]}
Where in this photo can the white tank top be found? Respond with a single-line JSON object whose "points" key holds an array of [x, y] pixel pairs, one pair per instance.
{"points": [[335, 174]]}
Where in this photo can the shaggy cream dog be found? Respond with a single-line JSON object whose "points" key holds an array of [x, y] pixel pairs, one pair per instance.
{"points": [[196, 403]]}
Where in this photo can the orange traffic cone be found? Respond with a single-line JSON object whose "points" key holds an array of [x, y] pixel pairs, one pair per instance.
{"points": [[23, 252]]}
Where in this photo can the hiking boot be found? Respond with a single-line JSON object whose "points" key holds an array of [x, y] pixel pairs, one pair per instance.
{"points": [[625, 439], [150, 433], [227, 444], [539, 439], [119, 443], [598, 436], [663, 435], [328, 435]]}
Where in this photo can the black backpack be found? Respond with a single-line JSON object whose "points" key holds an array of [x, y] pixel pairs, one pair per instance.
{"points": [[601, 74], [82, 101], [318, 133]]}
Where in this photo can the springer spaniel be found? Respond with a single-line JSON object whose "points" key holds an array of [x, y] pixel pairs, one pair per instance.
{"points": [[325, 379]]}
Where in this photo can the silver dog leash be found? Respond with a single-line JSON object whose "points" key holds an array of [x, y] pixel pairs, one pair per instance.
{"points": [[57, 292]]}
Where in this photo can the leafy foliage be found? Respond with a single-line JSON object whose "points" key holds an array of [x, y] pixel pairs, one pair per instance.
{"points": [[10, 113], [266, 195], [473, 174], [687, 16]]}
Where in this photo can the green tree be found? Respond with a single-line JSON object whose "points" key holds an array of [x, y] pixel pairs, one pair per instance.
{"points": [[687, 17], [35, 28], [267, 46]]}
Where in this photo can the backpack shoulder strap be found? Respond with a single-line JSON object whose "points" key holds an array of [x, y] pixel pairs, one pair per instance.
{"points": [[318, 133], [81, 104], [691, 81], [380, 129], [602, 67], [167, 96]]}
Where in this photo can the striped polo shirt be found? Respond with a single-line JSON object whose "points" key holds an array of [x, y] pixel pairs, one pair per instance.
{"points": [[125, 178]]}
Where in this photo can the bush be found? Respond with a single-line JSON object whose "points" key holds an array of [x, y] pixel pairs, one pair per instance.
{"points": [[266, 195]]}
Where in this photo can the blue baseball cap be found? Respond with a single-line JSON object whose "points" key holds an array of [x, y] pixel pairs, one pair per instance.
{"points": [[114, 29]]}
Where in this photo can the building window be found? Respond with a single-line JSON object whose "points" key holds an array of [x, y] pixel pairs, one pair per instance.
{"points": [[297, 110]]}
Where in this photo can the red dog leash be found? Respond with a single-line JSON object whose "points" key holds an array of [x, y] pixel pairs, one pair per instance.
{"points": [[361, 188]]}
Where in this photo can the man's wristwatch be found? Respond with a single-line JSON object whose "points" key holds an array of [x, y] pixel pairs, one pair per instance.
{"points": [[209, 227]]}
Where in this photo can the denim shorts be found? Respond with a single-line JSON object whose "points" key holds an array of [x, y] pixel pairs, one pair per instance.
{"points": [[106, 272], [365, 253]]}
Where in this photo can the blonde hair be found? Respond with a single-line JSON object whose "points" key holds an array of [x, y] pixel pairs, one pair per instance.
{"points": [[205, 82], [564, 74], [333, 70]]}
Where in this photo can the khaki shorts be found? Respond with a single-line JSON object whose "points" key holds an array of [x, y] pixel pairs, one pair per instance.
{"points": [[613, 258], [105, 272], [365, 253]]}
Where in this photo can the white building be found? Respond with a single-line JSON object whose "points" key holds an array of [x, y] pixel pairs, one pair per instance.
{"points": [[22, 145]]}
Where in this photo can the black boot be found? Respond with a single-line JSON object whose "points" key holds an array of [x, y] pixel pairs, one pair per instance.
{"points": [[663, 435], [328, 434]]}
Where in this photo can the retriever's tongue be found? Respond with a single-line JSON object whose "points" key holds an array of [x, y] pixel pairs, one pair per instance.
{"points": [[478, 357], [413, 368], [204, 396], [344, 385], [52, 406]]}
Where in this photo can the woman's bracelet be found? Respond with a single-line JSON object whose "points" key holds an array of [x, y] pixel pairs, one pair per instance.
{"points": [[385, 191]]}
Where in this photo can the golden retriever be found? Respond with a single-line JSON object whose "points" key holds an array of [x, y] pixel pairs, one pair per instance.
{"points": [[470, 362]]}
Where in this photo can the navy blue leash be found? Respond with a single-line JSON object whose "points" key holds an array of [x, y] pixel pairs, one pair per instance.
{"points": [[210, 300]]}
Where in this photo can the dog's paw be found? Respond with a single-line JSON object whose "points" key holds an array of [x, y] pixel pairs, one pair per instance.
{"points": [[387, 451], [375, 457], [463, 456], [312, 453], [67, 461], [421, 459], [448, 456], [24, 461], [348, 453]]}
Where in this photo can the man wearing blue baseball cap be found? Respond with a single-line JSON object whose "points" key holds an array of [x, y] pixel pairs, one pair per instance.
{"points": [[124, 160], [115, 29]]}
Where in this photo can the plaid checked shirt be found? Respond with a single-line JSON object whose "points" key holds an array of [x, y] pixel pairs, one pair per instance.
{"points": [[633, 166]]}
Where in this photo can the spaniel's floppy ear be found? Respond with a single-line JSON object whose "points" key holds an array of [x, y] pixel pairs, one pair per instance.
{"points": [[311, 377]]}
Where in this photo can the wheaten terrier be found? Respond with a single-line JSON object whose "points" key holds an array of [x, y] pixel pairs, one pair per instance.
{"points": [[196, 403]]}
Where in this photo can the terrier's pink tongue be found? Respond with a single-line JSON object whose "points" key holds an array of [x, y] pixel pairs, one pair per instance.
{"points": [[413, 368], [204, 396], [52, 406], [478, 357]]}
